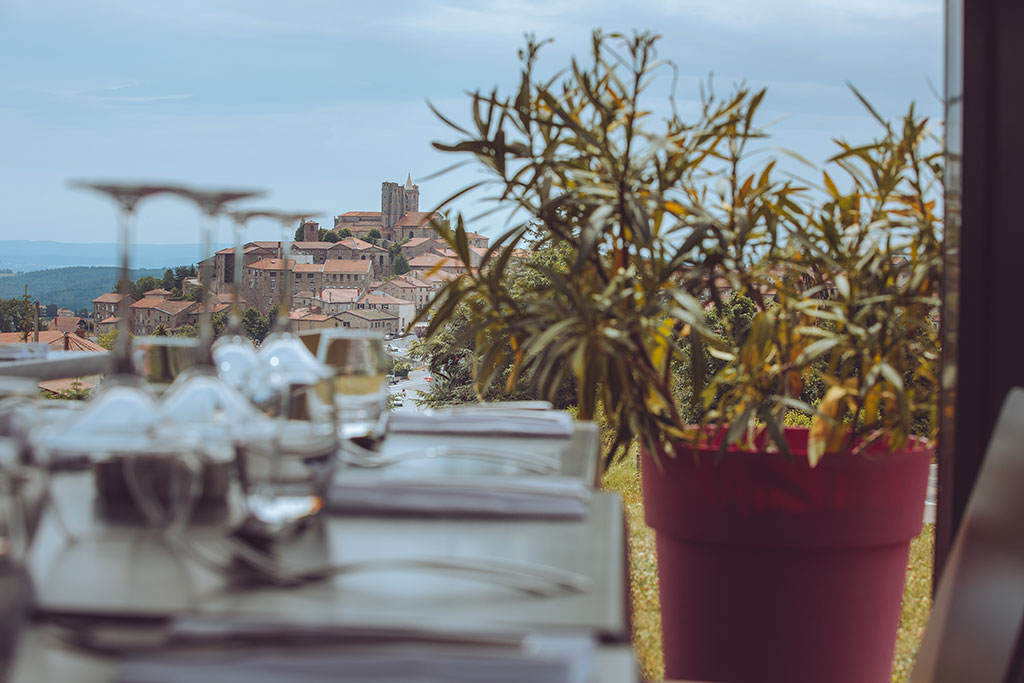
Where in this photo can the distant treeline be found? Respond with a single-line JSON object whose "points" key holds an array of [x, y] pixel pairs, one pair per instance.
{"points": [[73, 287]]}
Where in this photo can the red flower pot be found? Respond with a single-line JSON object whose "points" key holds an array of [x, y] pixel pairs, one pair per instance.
{"points": [[770, 570]]}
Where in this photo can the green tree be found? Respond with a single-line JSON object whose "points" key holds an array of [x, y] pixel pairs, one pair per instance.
{"points": [[257, 325], [108, 340], [299, 234], [399, 264], [373, 234], [146, 283], [160, 331], [187, 331], [330, 236], [77, 392], [168, 281], [343, 233]]}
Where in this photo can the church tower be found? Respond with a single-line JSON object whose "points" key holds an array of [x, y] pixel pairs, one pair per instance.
{"points": [[396, 201]]}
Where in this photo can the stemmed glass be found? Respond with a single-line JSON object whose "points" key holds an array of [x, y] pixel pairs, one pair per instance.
{"points": [[114, 425], [233, 353], [199, 399]]}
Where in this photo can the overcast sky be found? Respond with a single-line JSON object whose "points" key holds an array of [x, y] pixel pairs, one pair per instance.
{"points": [[318, 101]]}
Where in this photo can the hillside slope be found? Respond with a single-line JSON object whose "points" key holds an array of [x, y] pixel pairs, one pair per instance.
{"points": [[73, 287]]}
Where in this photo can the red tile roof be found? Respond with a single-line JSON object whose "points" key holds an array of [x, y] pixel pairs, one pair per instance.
{"points": [[110, 298], [347, 266], [158, 291], [55, 339], [369, 314], [417, 218], [59, 386], [65, 323], [171, 307], [312, 245], [355, 243], [372, 298], [362, 214], [339, 295], [271, 264]]}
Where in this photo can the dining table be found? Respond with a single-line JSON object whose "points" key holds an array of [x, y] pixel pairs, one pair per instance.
{"points": [[112, 569]]}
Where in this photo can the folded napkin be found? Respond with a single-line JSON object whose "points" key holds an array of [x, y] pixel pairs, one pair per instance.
{"points": [[371, 491], [514, 418], [540, 658]]}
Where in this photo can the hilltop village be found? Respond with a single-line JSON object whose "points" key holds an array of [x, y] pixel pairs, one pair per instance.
{"points": [[372, 270]]}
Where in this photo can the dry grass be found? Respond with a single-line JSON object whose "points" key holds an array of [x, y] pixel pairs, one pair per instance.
{"points": [[625, 479]]}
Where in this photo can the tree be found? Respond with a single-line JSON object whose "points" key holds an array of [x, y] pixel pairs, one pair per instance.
{"points": [[257, 325], [168, 282], [160, 331], [77, 392], [187, 331], [343, 233], [330, 236], [373, 234], [146, 283], [51, 311], [13, 315], [108, 340], [399, 264], [299, 234]]}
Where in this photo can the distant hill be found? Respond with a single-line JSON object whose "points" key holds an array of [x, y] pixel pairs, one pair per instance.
{"points": [[72, 288], [27, 255]]}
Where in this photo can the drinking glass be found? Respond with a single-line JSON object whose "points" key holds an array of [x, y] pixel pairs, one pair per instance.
{"points": [[359, 388], [233, 353]]}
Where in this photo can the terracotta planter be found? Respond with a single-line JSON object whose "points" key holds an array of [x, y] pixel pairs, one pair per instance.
{"points": [[770, 570]]}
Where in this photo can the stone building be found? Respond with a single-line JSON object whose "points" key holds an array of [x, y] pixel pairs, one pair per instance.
{"points": [[105, 305], [368, 319], [397, 201], [408, 287], [260, 287], [148, 314], [355, 249], [224, 261], [378, 301]]}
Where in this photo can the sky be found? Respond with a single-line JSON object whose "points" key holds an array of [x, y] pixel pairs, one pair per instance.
{"points": [[319, 101]]}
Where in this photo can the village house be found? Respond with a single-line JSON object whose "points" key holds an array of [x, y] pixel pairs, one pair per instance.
{"points": [[368, 319], [105, 306], [408, 287], [148, 314], [378, 301], [264, 277]]}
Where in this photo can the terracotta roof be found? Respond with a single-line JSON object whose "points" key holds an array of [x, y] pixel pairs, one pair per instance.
{"points": [[339, 295], [417, 241], [109, 321], [55, 339], [228, 297], [369, 314], [312, 245], [373, 298], [361, 214], [308, 268], [417, 218], [305, 294], [428, 260], [408, 281], [315, 317], [110, 298], [66, 323], [172, 307], [263, 244], [270, 264], [59, 386], [476, 236], [158, 291], [347, 266], [355, 243]]}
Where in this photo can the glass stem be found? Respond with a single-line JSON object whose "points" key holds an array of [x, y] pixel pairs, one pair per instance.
{"points": [[235, 317], [205, 357], [123, 344], [285, 291]]}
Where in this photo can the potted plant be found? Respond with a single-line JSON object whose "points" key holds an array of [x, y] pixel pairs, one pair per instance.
{"points": [[698, 302]]}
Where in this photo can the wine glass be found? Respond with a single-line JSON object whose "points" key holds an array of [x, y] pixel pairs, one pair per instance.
{"points": [[359, 388], [199, 400], [114, 424], [233, 353]]}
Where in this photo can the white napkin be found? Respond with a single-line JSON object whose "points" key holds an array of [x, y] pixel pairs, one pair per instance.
{"points": [[369, 491], [514, 418]]}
